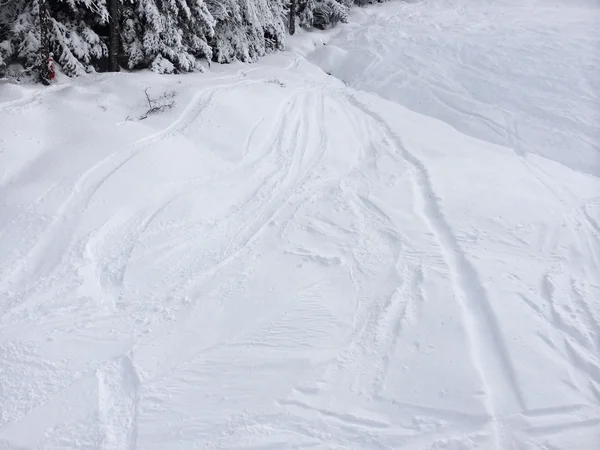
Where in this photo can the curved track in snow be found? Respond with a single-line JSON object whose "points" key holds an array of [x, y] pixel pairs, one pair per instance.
{"points": [[282, 261]]}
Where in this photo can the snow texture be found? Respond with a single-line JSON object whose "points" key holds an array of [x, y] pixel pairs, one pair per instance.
{"points": [[285, 260]]}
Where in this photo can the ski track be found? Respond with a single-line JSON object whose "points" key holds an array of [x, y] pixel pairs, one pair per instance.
{"points": [[52, 240], [194, 110], [266, 205], [484, 333], [28, 102]]}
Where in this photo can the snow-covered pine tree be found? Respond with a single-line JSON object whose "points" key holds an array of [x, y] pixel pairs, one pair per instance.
{"points": [[19, 32], [77, 45], [304, 12], [322, 14], [367, 2], [166, 35], [70, 33], [7, 17], [247, 29]]}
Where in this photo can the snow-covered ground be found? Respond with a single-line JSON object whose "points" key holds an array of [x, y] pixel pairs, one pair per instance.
{"points": [[519, 73], [282, 261]]}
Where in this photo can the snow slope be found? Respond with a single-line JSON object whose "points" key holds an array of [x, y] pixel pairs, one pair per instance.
{"points": [[282, 261], [519, 73]]}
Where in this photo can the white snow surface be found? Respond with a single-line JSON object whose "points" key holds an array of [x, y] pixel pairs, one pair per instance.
{"points": [[285, 260], [520, 73]]}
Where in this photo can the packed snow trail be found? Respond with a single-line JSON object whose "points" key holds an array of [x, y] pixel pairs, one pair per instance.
{"points": [[282, 261]]}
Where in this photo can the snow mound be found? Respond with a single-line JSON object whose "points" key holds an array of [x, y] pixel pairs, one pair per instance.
{"points": [[329, 57]]}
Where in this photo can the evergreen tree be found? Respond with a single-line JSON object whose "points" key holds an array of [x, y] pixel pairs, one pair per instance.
{"points": [[246, 29], [74, 34], [66, 29], [166, 35], [304, 12], [8, 10], [19, 33], [323, 14]]}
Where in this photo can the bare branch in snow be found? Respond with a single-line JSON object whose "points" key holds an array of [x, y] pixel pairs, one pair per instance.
{"points": [[159, 104]]}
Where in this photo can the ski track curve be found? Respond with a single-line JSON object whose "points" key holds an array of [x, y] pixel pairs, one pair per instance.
{"points": [[112, 271], [28, 102], [55, 238], [284, 190], [377, 320], [488, 347]]}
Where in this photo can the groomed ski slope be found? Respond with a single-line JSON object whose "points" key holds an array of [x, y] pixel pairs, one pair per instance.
{"points": [[283, 261]]}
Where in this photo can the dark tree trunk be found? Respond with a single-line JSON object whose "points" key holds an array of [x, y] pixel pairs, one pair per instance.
{"points": [[113, 29], [292, 17], [45, 57]]}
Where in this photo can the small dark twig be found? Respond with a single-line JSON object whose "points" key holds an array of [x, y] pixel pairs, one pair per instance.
{"points": [[24, 72], [160, 104], [148, 98]]}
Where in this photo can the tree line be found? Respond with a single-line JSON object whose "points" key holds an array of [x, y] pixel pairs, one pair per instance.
{"points": [[167, 36]]}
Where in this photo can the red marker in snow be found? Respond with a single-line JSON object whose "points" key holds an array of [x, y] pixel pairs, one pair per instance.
{"points": [[51, 71]]}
